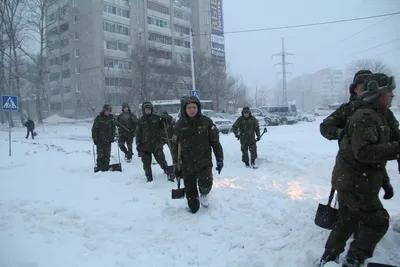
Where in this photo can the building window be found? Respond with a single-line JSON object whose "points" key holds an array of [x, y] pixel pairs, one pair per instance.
{"points": [[181, 15], [138, 3], [115, 10], [158, 22], [54, 76], [64, 27], [182, 43], [65, 58], [66, 74], [116, 28], [75, 19], [76, 36], [73, 2], [139, 19], [77, 54], [157, 7], [117, 45], [117, 64], [160, 53], [160, 38], [78, 70], [181, 29], [115, 81], [64, 42], [78, 88]]}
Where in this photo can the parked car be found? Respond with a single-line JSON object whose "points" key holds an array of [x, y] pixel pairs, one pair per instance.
{"points": [[272, 119], [261, 120], [322, 111], [303, 116], [224, 125]]}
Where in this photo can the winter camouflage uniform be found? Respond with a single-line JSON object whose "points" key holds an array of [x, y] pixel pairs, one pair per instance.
{"points": [[126, 131], [103, 134], [358, 176], [30, 127], [148, 141], [245, 129], [170, 128], [196, 137]]}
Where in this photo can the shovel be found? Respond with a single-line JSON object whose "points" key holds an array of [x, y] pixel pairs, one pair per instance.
{"points": [[170, 168], [326, 215], [264, 131], [373, 264], [116, 167], [179, 192]]}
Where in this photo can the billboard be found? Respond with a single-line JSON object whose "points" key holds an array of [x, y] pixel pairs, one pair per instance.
{"points": [[217, 33]]}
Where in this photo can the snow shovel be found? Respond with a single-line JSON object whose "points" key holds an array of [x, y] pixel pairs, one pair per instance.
{"points": [[170, 168], [373, 264], [116, 167], [326, 215], [179, 192], [264, 131]]}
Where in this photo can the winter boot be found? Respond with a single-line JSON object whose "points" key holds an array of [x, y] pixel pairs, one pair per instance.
{"points": [[354, 259], [328, 256], [204, 201], [149, 178], [193, 204], [170, 174], [253, 163], [247, 164]]}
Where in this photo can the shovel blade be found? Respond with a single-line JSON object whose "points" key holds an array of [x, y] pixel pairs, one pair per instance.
{"points": [[374, 264], [178, 193], [117, 167]]}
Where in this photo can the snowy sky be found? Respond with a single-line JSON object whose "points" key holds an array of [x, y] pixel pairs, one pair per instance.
{"points": [[314, 47]]}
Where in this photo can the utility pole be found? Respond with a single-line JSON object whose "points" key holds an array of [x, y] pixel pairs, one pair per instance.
{"points": [[283, 55]]}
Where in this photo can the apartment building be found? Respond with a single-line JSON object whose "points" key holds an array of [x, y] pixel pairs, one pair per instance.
{"points": [[322, 88], [94, 46]]}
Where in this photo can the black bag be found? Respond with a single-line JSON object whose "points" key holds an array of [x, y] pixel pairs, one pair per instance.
{"points": [[326, 215]]}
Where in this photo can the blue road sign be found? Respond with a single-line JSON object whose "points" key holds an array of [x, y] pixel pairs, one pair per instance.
{"points": [[196, 93], [9, 102]]}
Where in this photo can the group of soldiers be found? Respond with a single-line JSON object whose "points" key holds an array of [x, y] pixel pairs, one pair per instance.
{"points": [[368, 135], [190, 140]]}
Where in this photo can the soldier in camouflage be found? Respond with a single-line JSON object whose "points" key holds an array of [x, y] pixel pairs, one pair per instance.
{"points": [[196, 134], [148, 141], [360, 173], [126, 122], [246, 128], [103, 134], [332, 126]]}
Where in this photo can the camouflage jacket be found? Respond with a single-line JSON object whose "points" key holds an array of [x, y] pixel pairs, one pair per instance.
{"points": [[129, 121], [30, 125], [331, 125], [364, 151], [197, 136], [248, 128], [149, 131], [103, 130]]}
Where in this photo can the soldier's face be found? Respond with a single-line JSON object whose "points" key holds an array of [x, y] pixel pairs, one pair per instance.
{"points": [[125, 109], [359, 89], [107, 112], [147, 111], [385, 99], [246, 114], [191, 110]]}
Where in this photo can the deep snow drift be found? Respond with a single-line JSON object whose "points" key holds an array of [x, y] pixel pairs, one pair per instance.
{"points": [[54, 211]]}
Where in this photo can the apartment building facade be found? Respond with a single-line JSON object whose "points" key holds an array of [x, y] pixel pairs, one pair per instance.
{"points": [[94, 46]]}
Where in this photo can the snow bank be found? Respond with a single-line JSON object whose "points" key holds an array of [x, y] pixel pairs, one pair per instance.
{"points": [[57, 119]]}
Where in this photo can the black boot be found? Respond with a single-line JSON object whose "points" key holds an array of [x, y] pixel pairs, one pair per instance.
{"points": [[149, 178], [354, 259], [328, 256], [193, 204]]}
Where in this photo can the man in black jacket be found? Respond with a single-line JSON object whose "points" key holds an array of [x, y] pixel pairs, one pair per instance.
{"points": [[30, 127]]}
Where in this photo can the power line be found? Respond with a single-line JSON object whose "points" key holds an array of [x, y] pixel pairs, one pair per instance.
{"points": [[363, 30], [306, 25], [379, 45]]}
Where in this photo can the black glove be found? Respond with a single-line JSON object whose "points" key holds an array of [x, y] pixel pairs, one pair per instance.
{"points": [[95, 142], [237, 136], [387, 187], [177, 171], [220, 165], [340, 134], [258, 138]]}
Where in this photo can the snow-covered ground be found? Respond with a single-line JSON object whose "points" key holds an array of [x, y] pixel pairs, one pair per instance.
{"points": [[54, 211]]}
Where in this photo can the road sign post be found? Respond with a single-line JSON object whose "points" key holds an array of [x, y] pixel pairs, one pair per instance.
{"points": [[9, 103], [195, 93]]}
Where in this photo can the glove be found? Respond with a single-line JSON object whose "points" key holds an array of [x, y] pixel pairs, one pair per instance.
{"points": [[220, 165], [177, 171], [258, 138], [387, 187], [237, 136], [95, 142]]}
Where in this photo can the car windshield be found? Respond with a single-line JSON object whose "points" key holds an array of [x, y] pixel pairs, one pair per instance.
{"points": [[209, 113]]}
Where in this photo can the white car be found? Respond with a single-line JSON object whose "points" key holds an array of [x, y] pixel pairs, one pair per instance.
{"points": [[322, 111], [261, 120], [223, 125], [305, 117]]}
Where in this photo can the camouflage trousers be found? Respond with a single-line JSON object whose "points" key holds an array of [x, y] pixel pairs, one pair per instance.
{"points": [[203, 178], [122, 140], [103, 156], [146, 160], [245, 152], [364, 214]]}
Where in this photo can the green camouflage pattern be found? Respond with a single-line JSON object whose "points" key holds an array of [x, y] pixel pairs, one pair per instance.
{"points": [[147, 158], [149, 133], [103, 129], [247, 128]]}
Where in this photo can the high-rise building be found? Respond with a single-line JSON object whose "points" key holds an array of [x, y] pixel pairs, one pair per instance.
{"points": [[98, 51]]}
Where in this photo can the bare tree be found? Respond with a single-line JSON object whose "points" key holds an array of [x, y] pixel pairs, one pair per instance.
{"points": [[37, 25], [12, 18], [240, 97], [141, 68], [260, 96], [374, 65]]}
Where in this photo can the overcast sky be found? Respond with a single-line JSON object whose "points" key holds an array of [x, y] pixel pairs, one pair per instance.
{"points": [[316, 47]]}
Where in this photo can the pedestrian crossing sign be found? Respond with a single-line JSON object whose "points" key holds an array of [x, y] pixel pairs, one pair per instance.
{"points": [[9, 103]]}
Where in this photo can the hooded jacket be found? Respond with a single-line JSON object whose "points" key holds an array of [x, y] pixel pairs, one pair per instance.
{"points": [[127, 122], [247, 128]]}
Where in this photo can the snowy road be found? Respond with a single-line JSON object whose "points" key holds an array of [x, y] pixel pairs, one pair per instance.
{"points": [[55, 212]]}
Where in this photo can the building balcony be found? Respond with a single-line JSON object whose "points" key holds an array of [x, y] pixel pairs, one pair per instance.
{"points": [[163, 31]]}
